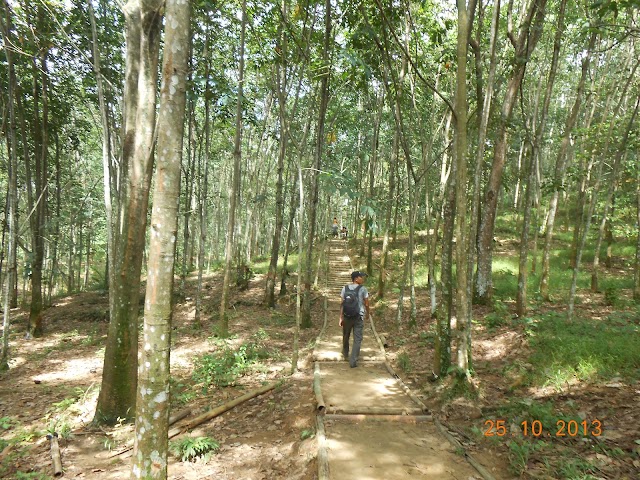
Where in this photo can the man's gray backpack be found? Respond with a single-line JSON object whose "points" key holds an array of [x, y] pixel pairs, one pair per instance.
{"points": [[351, 302]]}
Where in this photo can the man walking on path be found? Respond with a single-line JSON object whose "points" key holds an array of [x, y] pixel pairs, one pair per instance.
{"points": [[355, 302]]}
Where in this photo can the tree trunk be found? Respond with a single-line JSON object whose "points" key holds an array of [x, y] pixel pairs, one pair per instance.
{"points": [[620, 151], [235, 183], [463, 314], [119, 379], [526, 43], [204, 188], [561, 164], [281, 86], [152, 404], [12, 200], [482, 135], [38, 202], [320, 141]]}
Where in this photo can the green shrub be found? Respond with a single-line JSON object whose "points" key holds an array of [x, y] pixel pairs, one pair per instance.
{"points": [[190, 449], [223, 367], [404, 362]]}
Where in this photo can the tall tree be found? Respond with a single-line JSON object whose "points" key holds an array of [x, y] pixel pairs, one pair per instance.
{"points": [[325, 75], [119, 378], [463, 314], [281, 87], [235, 182], [152, 405], [524, 45], [12, 200]]}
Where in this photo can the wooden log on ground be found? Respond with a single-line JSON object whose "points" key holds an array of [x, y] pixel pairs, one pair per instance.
{"points": [[359, 418], [179, 416], [374, 411], [56, 460], [316, 388], [377, 337], [323, 456], [205, 417]]}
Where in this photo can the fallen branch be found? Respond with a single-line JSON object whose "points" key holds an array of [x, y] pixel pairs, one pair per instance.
{"points": [[55, 455], [228, 406]]}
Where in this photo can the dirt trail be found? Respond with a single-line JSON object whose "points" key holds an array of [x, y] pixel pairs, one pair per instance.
{"points": [[370, 425]]}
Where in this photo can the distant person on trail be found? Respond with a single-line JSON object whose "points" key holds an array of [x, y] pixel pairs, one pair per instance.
{"points": [[354, 305], [334, 227], [343, 232]]}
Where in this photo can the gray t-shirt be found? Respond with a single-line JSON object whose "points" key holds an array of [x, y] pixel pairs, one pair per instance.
{"points": [[362, 294]]}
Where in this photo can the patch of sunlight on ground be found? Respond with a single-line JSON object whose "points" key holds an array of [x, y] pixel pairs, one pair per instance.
{"points": [[72, 369]]}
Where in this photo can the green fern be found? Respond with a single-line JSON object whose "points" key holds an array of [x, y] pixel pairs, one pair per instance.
{"points": [[189, 449]]}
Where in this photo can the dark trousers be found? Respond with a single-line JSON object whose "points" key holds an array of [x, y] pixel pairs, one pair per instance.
{"points": [[357, 325]]}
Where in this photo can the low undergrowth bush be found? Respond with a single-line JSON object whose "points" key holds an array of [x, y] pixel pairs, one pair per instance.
{"points": [[224, 366]]}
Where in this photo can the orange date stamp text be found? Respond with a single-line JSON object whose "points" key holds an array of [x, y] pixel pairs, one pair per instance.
{"points": [[534, 428]]}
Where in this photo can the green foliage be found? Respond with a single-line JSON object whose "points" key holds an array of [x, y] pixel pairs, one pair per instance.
{"points": [[499, 317], [190, 449], [223, 367], [7, 422], [31, 476], [307, 433], [519, 453], [611, 296], [404, 362], [583, 349]]}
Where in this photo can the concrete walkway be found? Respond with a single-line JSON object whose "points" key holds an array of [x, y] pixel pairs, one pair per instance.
{"points": [[369, 425]]}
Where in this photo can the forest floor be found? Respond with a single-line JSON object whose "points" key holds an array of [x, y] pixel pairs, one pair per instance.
{"points": [[53, 382]]}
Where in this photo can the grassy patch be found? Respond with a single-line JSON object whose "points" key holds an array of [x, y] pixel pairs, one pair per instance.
{"points": [[585, 349], [224, 366]]}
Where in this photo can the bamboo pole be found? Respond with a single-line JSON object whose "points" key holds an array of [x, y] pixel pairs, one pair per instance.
{"points": [[55, 455], [316, 388]]}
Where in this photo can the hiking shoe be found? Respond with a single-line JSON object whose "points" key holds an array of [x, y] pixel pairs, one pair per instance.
{"points": [[353, 364]]}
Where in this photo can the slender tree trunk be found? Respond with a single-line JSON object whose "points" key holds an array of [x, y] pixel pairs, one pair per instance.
{"points": [[561, 163], [39, 203], [482, 135], [529, 35], [320, 141], [117, 397], [463, 314], [152, 404], [204, 189], [281, 86], [12, 200], [620, 151], [636, 265], [235, 189]]}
